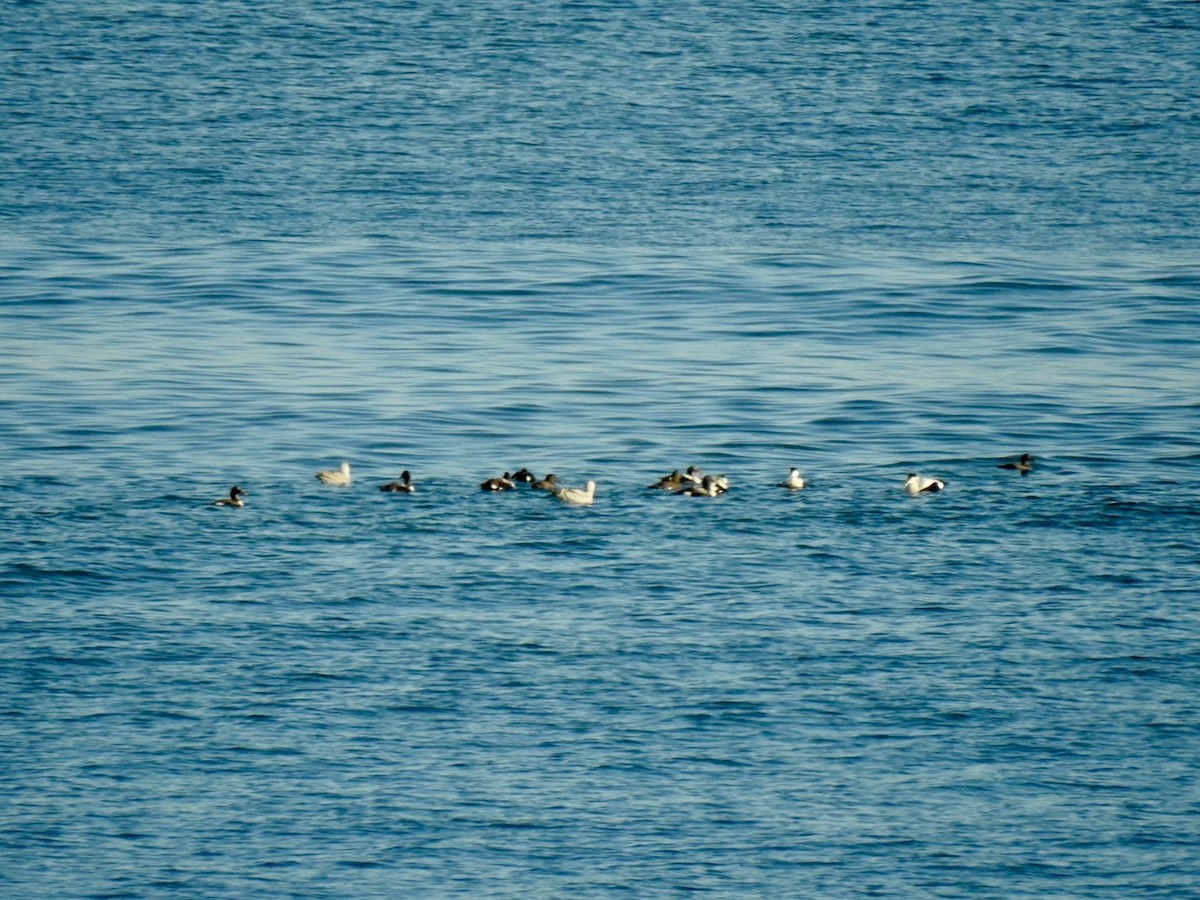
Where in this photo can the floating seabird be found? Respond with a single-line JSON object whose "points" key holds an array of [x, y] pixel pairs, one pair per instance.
{"points": [[794, 481], [404, 485], [339, 476], [502, 483], [706, 488], [672, 482], [919, 484], [1024, 465], [577, 496], [234, 499]]}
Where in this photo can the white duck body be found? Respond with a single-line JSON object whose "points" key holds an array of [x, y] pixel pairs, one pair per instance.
{"points": [[340, 476], [794, 481], [919, 484], [578, 496]]}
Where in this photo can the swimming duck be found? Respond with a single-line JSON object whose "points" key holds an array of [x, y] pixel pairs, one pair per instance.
{"points": [[524, 476], [672, 482], [706, 488], [340, 477], [503, 483], [919, 484], [404, 485], [1024, 465], [549, 483], [577, 496], [693, 474], [234, 499], [794, 481]]}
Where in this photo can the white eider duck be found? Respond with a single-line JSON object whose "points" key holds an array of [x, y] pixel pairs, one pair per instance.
{"points": [[549, 483], [524, 476], [577, 496], [234, 499], [706, 488], [794, 481], [340, 477], [1024, 465], [693, 474], [919, 484], [404, 485], [502, 483]]}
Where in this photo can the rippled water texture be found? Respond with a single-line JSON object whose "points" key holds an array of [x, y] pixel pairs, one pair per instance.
{"points": [[1014, 124], [837, 691], [240, 245]]}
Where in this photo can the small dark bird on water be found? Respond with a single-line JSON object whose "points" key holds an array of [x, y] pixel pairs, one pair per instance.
{"points": [[234, 499], [502, 483], [672, 482], [1024, 465], [404, 485]]}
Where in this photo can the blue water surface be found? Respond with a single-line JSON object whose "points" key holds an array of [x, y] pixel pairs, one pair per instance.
{"points": [[239, 245]]}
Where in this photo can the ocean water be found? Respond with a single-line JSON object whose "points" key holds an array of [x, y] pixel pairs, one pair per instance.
{"points": [[607, 240]]}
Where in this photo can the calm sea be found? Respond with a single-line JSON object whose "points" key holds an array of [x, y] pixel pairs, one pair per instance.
{"points": [[240, 244]]}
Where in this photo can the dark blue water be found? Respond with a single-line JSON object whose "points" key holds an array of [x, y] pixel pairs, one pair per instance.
{"points": [[239, 245]]}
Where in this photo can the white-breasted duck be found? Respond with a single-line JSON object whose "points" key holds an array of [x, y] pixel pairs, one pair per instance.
{"points": [[919, 484], [502, 483], [404, 485], [706, 488], [794, 481], [234, 499]]}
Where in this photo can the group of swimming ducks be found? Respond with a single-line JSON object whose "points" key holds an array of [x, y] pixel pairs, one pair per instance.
{"points": [[689, 483]]}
